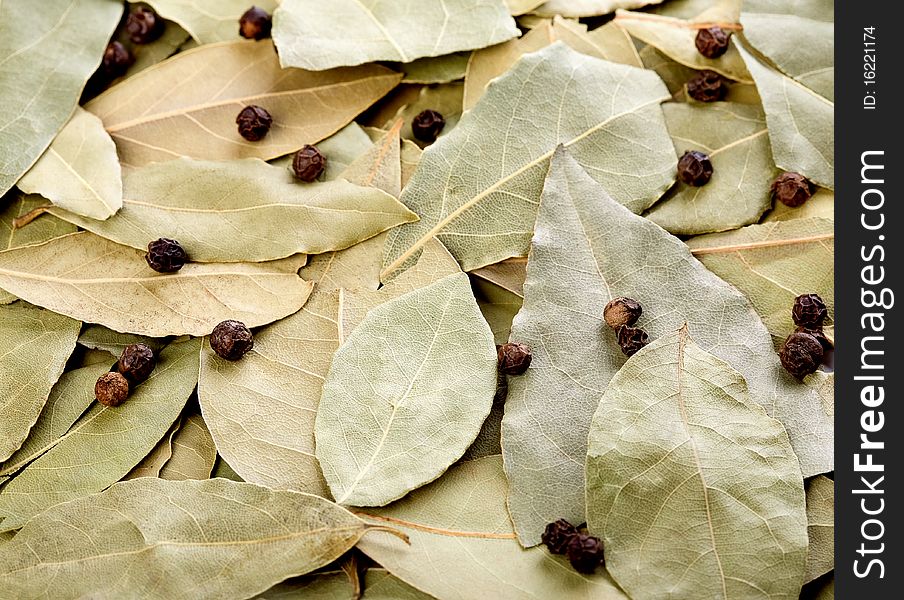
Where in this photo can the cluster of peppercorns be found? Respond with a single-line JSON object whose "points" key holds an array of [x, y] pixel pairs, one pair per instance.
{"points": [[621, 314], [134, 366], [584, 552], [254, 123], [143, 26], [803, 350], [709, 86]]}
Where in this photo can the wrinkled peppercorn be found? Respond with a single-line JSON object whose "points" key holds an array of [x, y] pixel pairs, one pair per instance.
{"points": [[427, 126], [632, 339], [809, 311], [231, 340], [707, 86], [792, 189], [254, 123], [695, 168], [308, 164], [819, 334], [622, 311], [585, 553], [557, 535], [165, 256], [111, 389], [514, 358], [712, 42], [144, 25], [117, 60], [801, 354], [136, 362], [255, 24]]}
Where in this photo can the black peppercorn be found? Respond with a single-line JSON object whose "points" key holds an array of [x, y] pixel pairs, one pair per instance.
{"points": [[111, 389], [695, 168], [801, 354], [557, 535], [427, 126], [632, 339], [231, 340], [712, 42], [308, 164], [136, 362], [622, 311], [144, 25], [819, 334], [707, 86], [585, 553], [254, 123], [514, 358], [809, 311], [255, 24], [165, 256], [792, 189], [117, 60]]}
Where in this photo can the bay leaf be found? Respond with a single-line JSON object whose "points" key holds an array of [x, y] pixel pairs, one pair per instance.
{"points": [[85, 357], [341, 149], [34, 347], [49, 50], [675, 38], [193, 452], [187, 104], [737, 141], [328, 585], [498, 306], [380, 584], [575, 354], [801, 123], [176, 529], [437, 69], [410, 100], [351, 32], [675, 76], [607, 42], [821, 204], [684, 470], [262, 212], [222, 469], [519, 7], [106, 442], [406, 394], [773, 263], [587, 8], [99, 337], [460, 532], [411, 158], [148, 55], [820, 527], [95, 280], [798, 39], [151, 464], [209, 22], [72, 394], [551, 97], [727, 11], [80, 170]]}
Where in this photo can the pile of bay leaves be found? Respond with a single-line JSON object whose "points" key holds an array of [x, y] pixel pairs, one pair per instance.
{"points": [[365, 445]]}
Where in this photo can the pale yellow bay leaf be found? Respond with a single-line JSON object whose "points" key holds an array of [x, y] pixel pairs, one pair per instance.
{"points": [[151, 464], [187, 105], [209, 22], [519, 7], [587, 8], [98, 337], [821, 204], [193, 451], [95, 280]]}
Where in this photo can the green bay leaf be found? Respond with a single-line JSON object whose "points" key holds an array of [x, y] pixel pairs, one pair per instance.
{"points": [[406, 394], [821, 204], [193, 452], [312, 36], [151, 464], [683, 469], [106, 442], [598, 109], [438, 69], [820, 527], [95, 280], [548, 409]]}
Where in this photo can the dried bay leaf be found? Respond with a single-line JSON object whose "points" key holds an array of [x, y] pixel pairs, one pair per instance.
{"points": [[49, 50], [801, 123], [675, 76], [151, 464], [575, 353], [34, 347], [176, 531], [380, 584], [186, 105], [244, 210], [694, 490], [519, 7], [773, 263], [587, 8], [820, 527], [821, 204], [106, 442], [352, 32], [69, 398], [99, 337], [222, 469], [737, 141], [460, 531], [607, 114], [727, 11], [80, 170], [406, 394], [209, 22], [438, 69], [340, 149], [323, 585], [193, 452], [95, 280]]}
